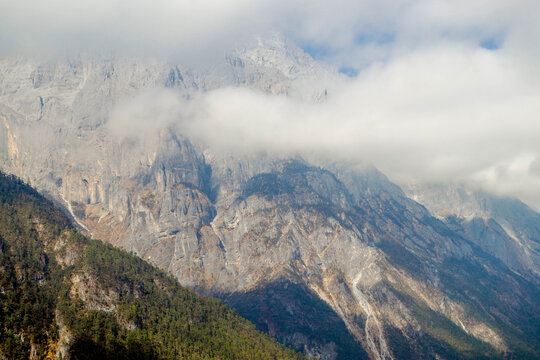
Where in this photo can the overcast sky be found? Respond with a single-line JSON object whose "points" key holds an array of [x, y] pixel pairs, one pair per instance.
{"points": [[439, 90]]}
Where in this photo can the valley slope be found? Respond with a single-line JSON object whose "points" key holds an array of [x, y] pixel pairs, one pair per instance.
{"points": [[291, 244], [64, 296]]}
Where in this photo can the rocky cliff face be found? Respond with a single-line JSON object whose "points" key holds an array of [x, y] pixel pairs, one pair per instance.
{"points": [[503, 227], [67, 297], [284, 241]]}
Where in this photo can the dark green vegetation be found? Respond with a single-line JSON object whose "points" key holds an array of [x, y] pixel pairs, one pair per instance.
{"points": [[483, 286], [267, 185], [62, 291], [287, 311], [488, 291], [442, 335], [497, 296]]}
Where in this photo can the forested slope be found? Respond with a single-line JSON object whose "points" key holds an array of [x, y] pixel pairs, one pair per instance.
{"points": [[65, 296]]}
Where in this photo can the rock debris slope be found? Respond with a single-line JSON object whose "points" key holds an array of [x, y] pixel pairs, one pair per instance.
{"points": [[291, 245]]}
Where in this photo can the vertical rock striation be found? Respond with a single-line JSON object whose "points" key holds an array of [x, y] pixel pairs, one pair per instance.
{"points": [[283, 240]]}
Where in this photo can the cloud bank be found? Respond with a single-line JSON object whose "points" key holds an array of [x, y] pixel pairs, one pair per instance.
{"points": [[445, 113], [347, 33], [440, 114], [445, 90]]}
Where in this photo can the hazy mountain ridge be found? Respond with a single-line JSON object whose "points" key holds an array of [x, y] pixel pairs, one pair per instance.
{"points": [[238, 225], [503, 227]]}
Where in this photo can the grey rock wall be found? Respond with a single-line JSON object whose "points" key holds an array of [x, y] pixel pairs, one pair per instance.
{"points": [[238, 225]]}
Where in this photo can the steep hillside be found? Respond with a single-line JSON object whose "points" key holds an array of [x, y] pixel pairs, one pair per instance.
{"points": [[292, 245], [503, 227], [64, 296], [405, 285]]}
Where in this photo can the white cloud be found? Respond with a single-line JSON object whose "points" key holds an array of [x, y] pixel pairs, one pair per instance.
{"points": [[428, 101], [197, 30], [145, 113], [444, 113]]}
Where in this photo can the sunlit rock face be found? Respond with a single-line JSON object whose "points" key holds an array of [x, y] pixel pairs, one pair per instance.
{"points": [[289, 243]]}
